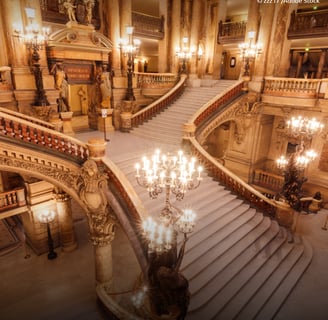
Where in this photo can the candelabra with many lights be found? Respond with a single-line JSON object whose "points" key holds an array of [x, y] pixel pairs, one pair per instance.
{"points": [[248, 53], [172, 174], [130, 48], [185, 53], [293, 167], [35, 39]]}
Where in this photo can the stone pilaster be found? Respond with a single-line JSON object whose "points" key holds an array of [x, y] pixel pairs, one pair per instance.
{"points": [[65, 220], [175, 34]]}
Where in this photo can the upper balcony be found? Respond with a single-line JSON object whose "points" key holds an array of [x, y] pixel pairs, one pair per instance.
{"points": [[231, 32], [148, 26], [310, 24]]}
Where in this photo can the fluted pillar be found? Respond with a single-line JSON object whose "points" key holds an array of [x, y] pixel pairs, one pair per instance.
{"points": [[175, 34], [65, 220]]}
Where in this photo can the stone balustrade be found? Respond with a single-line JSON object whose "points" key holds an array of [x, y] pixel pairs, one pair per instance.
{"points": [[156, 80], [292, 87], [12, 199], [268, 180], [158, 105], [26, 131]]}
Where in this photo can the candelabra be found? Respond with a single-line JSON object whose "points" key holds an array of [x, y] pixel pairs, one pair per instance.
{"points": [[46, 217], [130, 48], [174, 174], [35, 38], [248, 52], [186, 53]]}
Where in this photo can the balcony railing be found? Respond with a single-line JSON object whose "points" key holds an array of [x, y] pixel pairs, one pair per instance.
{"points": [[147, 26], [311, 24], [156, 80], [231, 32], [292, 87], [270, 181], [12, 199]]}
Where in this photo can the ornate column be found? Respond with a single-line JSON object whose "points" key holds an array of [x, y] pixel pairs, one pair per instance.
{"points": [[65, 220], [92, 187], [175, 33], [321, 63]]}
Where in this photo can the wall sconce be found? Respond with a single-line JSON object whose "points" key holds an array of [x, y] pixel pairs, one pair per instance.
{"points": [[185, 54]]}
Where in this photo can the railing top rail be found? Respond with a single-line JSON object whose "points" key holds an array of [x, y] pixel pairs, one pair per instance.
{"points": [[214, 162], [193, 118], [156, 74], [162, 98], [26, 117], [42, 128], [293, 79]]}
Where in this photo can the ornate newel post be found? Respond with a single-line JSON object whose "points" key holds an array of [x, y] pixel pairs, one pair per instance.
{"points": [[92, 187], [65, 219]]}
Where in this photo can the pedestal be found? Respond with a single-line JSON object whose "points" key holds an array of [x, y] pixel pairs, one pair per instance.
{"points": [[107, 122], [126, 121], [97, 148], [284, 214], [67, 122]]}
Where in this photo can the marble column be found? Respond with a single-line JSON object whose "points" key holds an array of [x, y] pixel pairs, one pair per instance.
{"points": [[175, 34], [263, 39], [104, 264], [163, 45], [196, 26], [113, 17], [217, 12], [65, 220], [321, 63]]}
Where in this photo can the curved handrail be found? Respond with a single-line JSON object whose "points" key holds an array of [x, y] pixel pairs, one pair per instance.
{"points": [[212, 106], [27, 131], [216, 169], [28, 118], [231, 181], [158, 105]]}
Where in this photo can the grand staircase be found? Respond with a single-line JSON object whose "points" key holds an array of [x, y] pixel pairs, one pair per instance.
{"points": [[240, 264]]}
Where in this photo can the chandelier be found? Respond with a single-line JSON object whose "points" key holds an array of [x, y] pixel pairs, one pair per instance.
{"points": [[174, 174], [303, 127]]}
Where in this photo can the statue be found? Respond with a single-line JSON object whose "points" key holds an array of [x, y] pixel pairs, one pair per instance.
{"points": [[84, 100], [105, 88], [70, 10], [89, 4]]}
